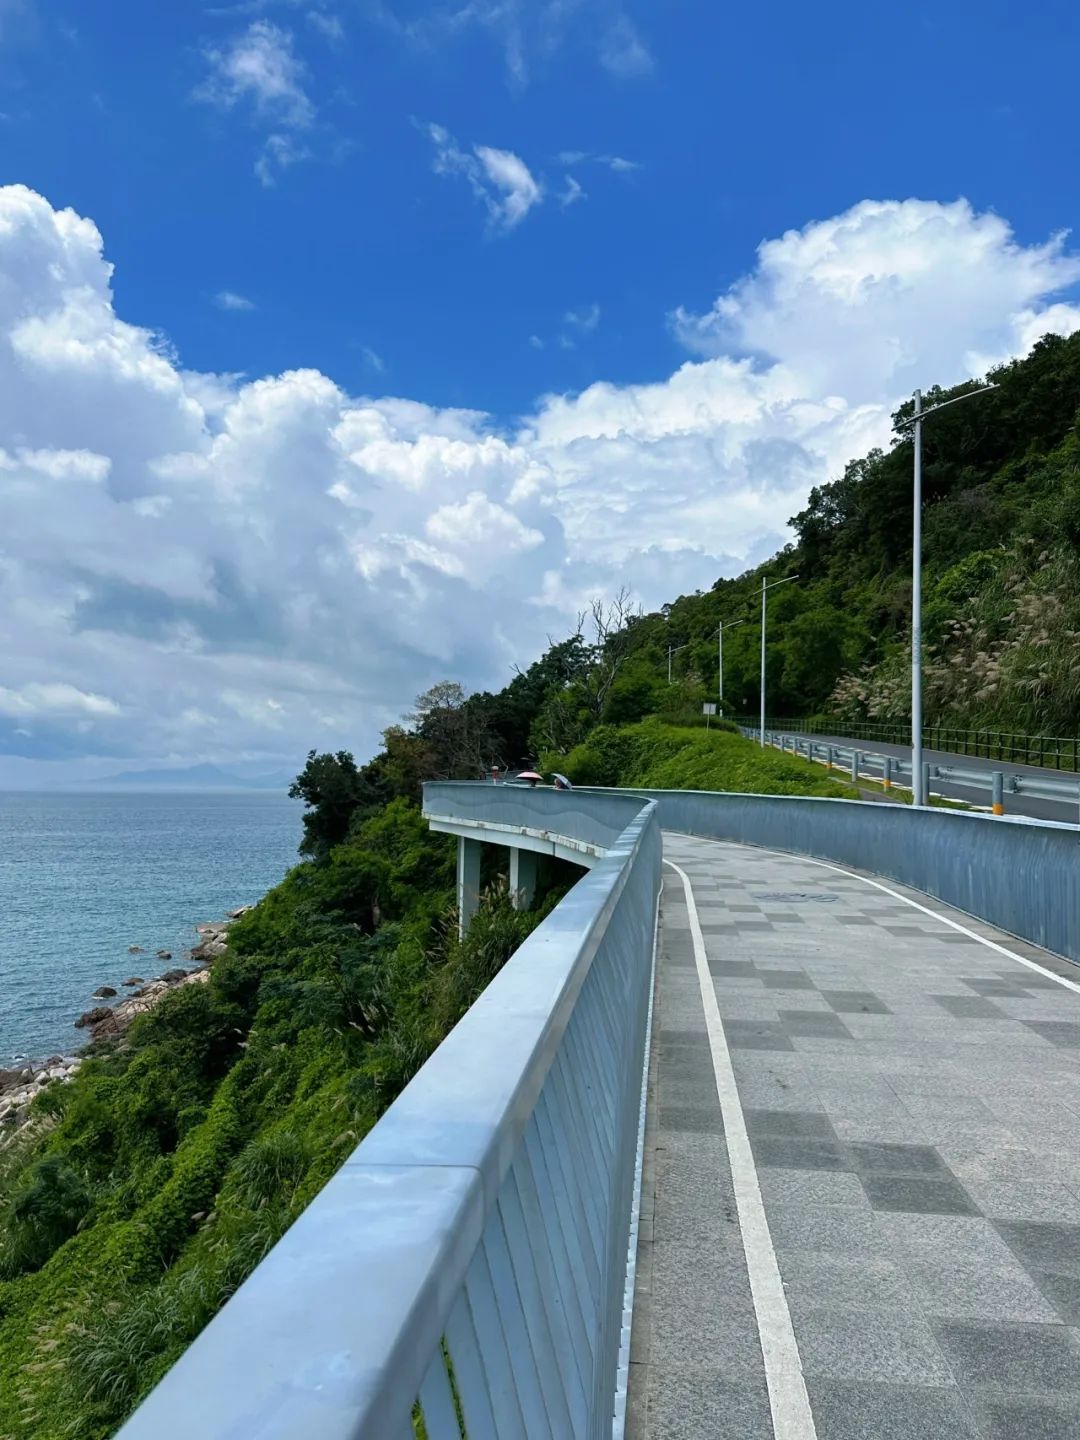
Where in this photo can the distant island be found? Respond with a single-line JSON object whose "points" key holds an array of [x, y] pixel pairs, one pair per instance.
{"points": [[195, 777]]}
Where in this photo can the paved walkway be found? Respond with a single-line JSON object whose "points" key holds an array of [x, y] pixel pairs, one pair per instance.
{"points": [[861, 1207]]}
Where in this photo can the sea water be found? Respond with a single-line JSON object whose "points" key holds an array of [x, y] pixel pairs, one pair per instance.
{"points": [[84, 876]]}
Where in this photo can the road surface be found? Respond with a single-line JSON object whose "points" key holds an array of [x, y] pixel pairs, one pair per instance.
{"points": [[1067, 811]]}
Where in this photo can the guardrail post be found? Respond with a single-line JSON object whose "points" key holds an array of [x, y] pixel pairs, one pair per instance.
{"points": [[997, 799], [468, 881], [828, 757], [926, 780], [856, 757], [522, 878], [886, 772]]}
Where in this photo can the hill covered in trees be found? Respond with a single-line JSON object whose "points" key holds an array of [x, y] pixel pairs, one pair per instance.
{"points": [[1001, 482]]}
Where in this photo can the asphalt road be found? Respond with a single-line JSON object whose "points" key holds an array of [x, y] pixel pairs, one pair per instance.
{"points": [[1014, 804]]}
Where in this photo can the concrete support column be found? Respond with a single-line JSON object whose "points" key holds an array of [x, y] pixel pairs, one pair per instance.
{"points": [[522, 878], [468, 880]]}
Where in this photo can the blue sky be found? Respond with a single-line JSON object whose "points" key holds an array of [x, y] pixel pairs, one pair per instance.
{"points": [[744, 120], [577, 290]]}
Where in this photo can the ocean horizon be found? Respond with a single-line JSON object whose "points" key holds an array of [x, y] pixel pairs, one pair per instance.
{"points": [[84, 874]]}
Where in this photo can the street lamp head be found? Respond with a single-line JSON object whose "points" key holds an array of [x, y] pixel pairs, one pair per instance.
{"points": [[920, 415]]}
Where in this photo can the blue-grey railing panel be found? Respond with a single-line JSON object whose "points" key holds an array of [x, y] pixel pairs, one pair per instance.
{"points": [[479, 1231], [598, 820], [1019, 874]]}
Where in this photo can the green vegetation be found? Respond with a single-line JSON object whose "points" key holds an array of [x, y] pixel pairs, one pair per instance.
{"points": [[661, 756], [148, 1188], [1001, 576], [161, 1175]]}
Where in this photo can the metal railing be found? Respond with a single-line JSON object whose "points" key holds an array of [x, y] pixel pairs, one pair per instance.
{"points": [[464, 1273], [1055, 752], [1019, 874], [891, 770]]}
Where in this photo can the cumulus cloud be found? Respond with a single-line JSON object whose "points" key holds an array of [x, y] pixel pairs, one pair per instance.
{"points": [[260, 71], [201, 566], [499, 179]]}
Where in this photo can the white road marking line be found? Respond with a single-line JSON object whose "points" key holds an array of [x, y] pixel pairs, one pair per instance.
{"points": [[907, 900], [953, 924], [790, 1405]]}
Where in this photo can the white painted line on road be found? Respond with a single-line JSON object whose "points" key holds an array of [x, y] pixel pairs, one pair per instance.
{"points": [[934, 914], [790, 1405]]}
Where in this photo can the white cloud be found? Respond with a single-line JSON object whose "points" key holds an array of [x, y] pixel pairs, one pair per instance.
{"points": [[531, 34], [499, 178], [35, 699], [230, 300], [328, 25], [571, 192], [259, 66], [584, 320], [373, 359], [279, 152], [623, 52], [616, 163], [203, 567], [260, 71]]}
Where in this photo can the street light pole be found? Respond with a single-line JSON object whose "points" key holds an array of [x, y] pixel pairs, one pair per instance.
{"points": [[673, 650], [720, 662], [765, 588], [918, 789], [917, 796]]}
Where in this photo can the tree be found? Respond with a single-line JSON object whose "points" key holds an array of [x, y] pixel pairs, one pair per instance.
{"points": [[459, 742], [334, 789]]}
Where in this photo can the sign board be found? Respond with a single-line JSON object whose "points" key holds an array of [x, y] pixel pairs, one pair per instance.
{"points": [[709, 708]]}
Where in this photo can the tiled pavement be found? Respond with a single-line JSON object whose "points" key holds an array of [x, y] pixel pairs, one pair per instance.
{"points": [[912, 1099]]}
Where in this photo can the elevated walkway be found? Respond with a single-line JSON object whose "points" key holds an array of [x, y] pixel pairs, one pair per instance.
{"points": [[845, 1205], [861, 1196]]}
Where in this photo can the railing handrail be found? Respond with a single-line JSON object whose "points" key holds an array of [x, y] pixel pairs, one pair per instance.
{"points": [[1014, 782], [337, 1328], [1057, 752]]}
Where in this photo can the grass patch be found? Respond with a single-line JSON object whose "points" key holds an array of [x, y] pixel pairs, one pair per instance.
{"points": [[661, 756]]}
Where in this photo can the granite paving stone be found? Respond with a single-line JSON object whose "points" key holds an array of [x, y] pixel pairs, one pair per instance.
{"points": [[1012, 1357], [853, 1410], [897, 1346], [912, 1102]]}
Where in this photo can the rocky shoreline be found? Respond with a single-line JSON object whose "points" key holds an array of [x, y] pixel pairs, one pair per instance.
{"points": [[22, 1083]]}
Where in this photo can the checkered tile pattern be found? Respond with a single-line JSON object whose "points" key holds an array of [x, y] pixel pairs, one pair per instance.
{"points": [[912, 1099]]}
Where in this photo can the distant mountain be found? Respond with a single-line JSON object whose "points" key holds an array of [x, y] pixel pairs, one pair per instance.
{"points": [[197, 777]]}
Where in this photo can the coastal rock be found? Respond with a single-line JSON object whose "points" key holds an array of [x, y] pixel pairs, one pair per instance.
{"points": [[93, 1017], [103, 992], [134, 949], [134, 980], [240, 910], [163, 954], [170, 977]]}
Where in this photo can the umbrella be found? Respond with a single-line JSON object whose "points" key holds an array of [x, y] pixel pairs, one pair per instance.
{"points": [[530, 775], [561, 782]]}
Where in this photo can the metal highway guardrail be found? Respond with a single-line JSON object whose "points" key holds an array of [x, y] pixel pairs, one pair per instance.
{"points": [[890, 770]]}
